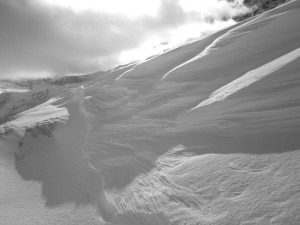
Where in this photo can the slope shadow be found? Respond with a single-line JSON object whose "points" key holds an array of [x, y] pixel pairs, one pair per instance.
{"points": [[66, 177], [257, 143], [45, 162]]}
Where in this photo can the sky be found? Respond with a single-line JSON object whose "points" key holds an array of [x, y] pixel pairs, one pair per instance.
{"points": [[42, 38]]}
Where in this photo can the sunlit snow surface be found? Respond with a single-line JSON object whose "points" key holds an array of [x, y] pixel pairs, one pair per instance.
{"points": [[249, 78], [207, 133]]}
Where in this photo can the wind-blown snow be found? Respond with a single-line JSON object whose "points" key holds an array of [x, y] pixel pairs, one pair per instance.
{"points": [[249, 78], [208, 49], [123, 147], [43, 113]]}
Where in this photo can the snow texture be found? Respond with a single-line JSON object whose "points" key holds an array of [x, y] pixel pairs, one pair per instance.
{"points": [[206, 133]]}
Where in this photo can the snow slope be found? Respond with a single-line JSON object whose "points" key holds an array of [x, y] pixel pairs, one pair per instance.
{"points": [[8, 87], [206, 133]]}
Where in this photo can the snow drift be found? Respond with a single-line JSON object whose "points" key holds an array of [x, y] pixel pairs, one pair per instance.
{"points": [[134, 146]]}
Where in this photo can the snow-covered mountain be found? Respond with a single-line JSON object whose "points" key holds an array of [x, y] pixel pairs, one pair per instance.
{"points": [[206, 133]]}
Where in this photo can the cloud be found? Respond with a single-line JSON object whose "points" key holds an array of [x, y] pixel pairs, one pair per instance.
{"points": [[38, 39]]}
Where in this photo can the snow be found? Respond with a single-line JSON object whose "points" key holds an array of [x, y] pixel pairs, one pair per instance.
{"points": [[207, 49], [249, 78], [126, 148], [12, 90], [5, 87], [43, 113]]}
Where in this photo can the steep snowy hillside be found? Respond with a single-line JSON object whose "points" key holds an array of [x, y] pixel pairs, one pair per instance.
{"points": [[206, 133]]}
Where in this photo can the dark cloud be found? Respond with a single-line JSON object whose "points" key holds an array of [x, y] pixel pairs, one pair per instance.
{"points": [[36, 38]]}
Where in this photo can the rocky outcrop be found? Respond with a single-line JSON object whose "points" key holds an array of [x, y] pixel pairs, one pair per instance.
{"points": [[259, 6]]}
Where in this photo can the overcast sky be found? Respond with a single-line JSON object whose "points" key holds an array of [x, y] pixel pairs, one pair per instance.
{"points": [[41, 38]]}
